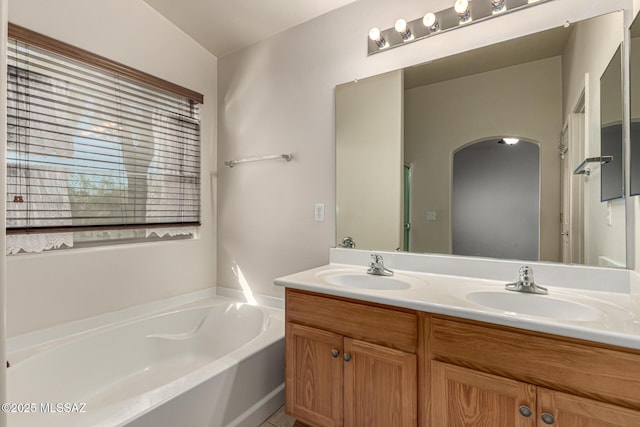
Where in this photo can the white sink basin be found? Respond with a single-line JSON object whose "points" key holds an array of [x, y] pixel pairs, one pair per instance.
{"points": [[535, 305], [362, 280]]}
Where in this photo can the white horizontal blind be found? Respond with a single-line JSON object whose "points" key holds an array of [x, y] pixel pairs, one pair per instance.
{"points": [[88, 149]]}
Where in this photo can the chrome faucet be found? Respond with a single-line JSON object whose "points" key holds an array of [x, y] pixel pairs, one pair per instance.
{"points": [[347, 242], [377, 268], [526, 283]]}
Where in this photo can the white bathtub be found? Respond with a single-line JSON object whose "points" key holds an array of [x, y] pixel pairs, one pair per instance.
{"points": [[209, 363]]}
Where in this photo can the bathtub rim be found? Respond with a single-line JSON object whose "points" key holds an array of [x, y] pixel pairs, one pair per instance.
{"points": [[58, 334], [19, 356]]}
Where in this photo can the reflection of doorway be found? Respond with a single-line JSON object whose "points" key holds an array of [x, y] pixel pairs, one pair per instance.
{"points": [[565, 197], [406, 206], [496, 200], [572, 189]]}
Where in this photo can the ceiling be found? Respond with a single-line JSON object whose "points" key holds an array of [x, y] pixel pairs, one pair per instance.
{"points": [[224, 26], [525, 49]]}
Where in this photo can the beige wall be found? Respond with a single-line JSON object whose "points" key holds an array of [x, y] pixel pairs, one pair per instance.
{"points": [[278, 96], [582, 70], [369, 127], [521, 101], [52, 288]]}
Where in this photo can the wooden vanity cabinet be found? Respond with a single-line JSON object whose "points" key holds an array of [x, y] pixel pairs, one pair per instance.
{"points": [[573, 411], [495, 376], [468, 398], [465, 397], [350, 364], [380, 386], [314, 379], [354, 363]]}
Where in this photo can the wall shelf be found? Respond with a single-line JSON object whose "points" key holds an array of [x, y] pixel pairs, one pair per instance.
{"points": [[584, 170]]}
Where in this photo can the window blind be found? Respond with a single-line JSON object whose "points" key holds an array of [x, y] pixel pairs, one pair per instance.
{"points": [[90, 149]]}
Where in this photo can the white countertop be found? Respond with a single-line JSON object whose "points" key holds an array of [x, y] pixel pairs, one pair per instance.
{"points": [[618, 324]]}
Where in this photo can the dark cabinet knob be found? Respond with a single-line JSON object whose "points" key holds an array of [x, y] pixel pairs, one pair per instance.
{"points": [[525, 411], [547, 418]]}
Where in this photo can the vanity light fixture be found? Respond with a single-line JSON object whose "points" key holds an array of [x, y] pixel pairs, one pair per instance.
{"points": [[376, 36], [462, 9], [462, 13], [431, 22], [497, 6], [403, 30]]}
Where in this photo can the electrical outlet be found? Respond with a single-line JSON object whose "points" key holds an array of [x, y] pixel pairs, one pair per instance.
{"points": [[319, 212]]}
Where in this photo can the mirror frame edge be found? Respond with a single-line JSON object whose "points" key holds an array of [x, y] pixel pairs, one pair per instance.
{"points": [[630, 241]]}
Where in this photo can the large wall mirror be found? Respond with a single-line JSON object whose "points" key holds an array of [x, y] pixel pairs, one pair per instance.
{"points": [[474, 154], [634, 89]]}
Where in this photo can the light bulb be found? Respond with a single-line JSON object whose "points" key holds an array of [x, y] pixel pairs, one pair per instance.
{"points": [[401, 25], [461, 6], [405, 32], [430, 22], [374, 34], [462, 9], [511, 141], [429, 19]]}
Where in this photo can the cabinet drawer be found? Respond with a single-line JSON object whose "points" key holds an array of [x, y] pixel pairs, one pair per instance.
{"points": [[564, 364], [391, 327]]}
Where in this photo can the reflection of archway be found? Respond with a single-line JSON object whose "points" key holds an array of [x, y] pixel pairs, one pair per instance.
{"points": [[495, 200]]}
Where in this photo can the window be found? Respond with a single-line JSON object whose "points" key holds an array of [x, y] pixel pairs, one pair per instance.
{"points": [[91, 152]]}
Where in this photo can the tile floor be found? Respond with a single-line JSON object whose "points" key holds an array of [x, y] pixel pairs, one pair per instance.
{"points": [[279, 419]]}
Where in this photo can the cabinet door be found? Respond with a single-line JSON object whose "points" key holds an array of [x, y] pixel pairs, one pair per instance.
{"points": [[380, 386], [565, 410], [313, 375], [465, 398]]}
